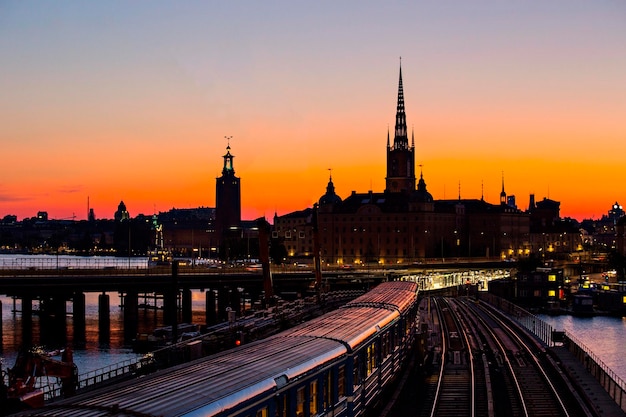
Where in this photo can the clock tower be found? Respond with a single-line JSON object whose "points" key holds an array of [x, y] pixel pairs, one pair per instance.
{"points": [[227, 197]]}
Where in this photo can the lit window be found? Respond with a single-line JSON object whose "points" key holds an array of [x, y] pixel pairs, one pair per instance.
{"points": [[371, 359], [551, 277], [313, 398], [300, 402]]}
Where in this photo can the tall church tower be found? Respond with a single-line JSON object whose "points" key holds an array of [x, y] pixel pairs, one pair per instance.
{"points": [[227, 197], [400, 157]]}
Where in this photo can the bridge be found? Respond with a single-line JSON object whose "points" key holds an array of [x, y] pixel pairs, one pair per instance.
{"points": [[574, 381]]}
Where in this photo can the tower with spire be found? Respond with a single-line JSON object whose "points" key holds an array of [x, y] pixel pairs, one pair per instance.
{"points": [[227, 196], [400, 156], [503, 200]]}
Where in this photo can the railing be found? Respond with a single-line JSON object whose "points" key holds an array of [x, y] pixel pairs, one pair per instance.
{"points": [[100, 375], [526, 319], [610, 381]]}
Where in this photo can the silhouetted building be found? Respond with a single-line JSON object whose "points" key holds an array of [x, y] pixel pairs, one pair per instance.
{"points": [[404, 223], [121, 213], [227, 200], [400, 156]]}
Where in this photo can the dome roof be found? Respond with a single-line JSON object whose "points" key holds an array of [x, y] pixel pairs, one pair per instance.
{"points": [[330, 197], [421, 195]]}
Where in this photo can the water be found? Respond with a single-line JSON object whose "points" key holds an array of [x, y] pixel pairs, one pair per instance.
{"points": [[94, 354], [604, 336]]}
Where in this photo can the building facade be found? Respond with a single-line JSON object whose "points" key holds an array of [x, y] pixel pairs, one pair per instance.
{"points": [[404, 224]]}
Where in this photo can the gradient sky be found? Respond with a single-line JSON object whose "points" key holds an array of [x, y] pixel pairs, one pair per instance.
{"points": [[131, 101]]}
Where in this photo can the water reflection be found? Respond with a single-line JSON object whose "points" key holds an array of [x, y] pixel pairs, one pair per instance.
{"points": [[96, 344], [604, 336]]}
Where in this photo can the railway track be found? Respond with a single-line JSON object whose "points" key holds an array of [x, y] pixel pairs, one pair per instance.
{"points": [[490, 367], [454, 391]]}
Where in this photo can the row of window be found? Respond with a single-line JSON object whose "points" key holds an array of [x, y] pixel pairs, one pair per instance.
{"points": [[309, 396], [300, 235], [319, 395]]}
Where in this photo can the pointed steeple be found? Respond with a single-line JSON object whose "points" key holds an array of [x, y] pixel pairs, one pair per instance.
{"points": [[330, 197], [503, 193], [421, 185], [400, 140], [388, 143], [400, 156]]}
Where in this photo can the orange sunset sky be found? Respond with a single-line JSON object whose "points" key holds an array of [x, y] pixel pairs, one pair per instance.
{"points": [[131, 101]]}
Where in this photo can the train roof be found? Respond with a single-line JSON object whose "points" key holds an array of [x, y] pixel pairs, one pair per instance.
{"points": [[206, 386], [393, 295], [213, 384], [361, 318]]}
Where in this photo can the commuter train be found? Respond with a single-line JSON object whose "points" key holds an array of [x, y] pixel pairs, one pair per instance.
{"points": [[335, 365]]}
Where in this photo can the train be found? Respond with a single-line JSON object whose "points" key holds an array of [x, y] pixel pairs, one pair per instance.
{"points": [[338, 364]]}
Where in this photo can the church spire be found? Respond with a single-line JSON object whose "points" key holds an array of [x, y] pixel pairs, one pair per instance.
{"points": [[388, 143], [400, 140], [400, 156]]}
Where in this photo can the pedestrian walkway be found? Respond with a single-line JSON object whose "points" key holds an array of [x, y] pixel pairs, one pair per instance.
{"points": [[587, 386]]}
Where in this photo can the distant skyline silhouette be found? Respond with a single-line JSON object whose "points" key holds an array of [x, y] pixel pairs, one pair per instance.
{"points": [[117, 101]]}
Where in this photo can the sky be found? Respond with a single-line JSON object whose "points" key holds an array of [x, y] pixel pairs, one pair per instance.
{"points": [[102, 102]]}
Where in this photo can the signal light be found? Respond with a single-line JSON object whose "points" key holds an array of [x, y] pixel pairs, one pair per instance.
{"points": [[238, 338]]}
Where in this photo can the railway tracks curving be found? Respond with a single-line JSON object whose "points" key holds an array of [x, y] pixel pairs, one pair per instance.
{"points": [[490, 367]]}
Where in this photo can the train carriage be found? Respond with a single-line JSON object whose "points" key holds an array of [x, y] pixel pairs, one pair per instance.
{"points": [[337, 364]]}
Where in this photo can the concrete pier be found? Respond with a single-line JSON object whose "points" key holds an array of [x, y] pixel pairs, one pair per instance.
{"points": [[210, 311], [131, 314], [78, 320], [104, 321], [186, 306]]}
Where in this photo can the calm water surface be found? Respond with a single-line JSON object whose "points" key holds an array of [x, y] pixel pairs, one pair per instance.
{"points": [[94, 354], [604, 336]]}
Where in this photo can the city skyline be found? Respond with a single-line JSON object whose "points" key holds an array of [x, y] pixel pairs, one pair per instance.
{"points": [[116, 101]]}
